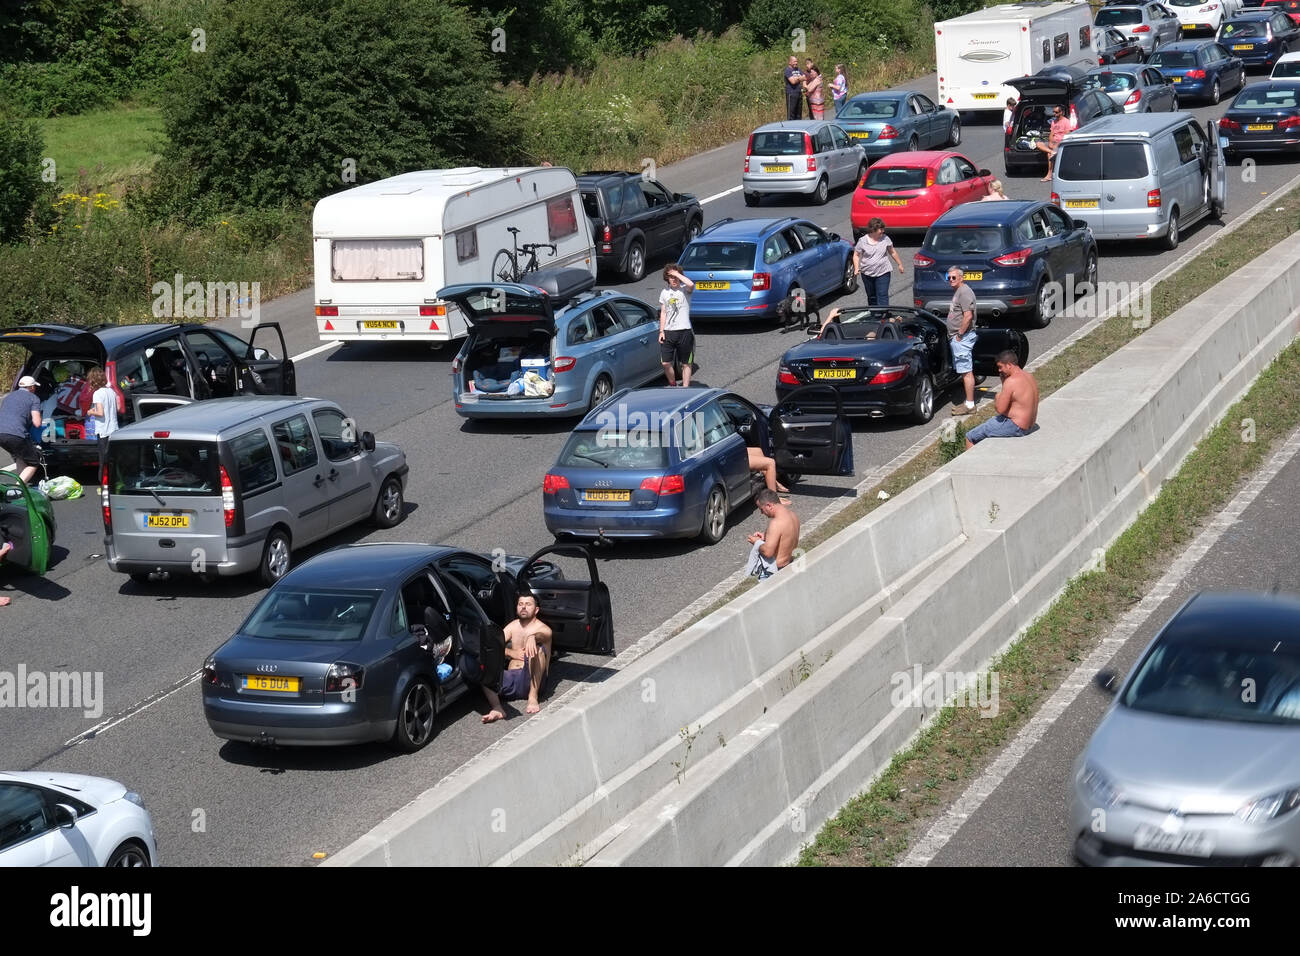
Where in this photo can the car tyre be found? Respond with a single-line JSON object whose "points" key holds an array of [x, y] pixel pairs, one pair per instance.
{"points": [[390, 507], [692, 230], [715, 516], [1172, 237], [635, 261], [132, 853], [954, 138], [1041, 317], [822, 192], [415, 717], [601, 389], [1216, 94], [862, 174], [1090, 273], [276, 557], [923, 400], [850, 283], [752, 199]]}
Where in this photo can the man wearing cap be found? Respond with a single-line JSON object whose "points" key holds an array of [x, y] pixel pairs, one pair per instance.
{"points": [[20, 411]]}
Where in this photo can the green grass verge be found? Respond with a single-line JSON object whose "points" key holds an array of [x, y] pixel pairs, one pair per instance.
{"points": [[100, 149]]}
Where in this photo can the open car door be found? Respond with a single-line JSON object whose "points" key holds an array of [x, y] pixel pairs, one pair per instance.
{"points": [[1218, 170], [990, 343], [578, 613], [22, 524], [810, 433], [264, 374]]}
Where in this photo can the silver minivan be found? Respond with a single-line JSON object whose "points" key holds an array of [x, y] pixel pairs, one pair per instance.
{"points": [[234, 485], [1141, 176], [811, 157]]}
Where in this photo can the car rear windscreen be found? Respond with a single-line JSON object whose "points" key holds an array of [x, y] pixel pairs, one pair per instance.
{"points": [[163, 468], [1114, 82], [1247, 28], [1089, 162], [1173, 60], [591, 203], [965, 240], [869, 109], [635, 440], [724, 256], [310, 614], [1265, 99], [1115, 16], [785, 142], [1186, 3], [1289, 68], [896, 177]]}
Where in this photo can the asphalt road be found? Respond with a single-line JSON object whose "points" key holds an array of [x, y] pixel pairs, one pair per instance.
{"points": [[1023, 822], [475, 486]]}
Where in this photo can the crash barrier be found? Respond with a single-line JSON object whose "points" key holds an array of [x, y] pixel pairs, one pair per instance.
{"points": [[733, 742]]}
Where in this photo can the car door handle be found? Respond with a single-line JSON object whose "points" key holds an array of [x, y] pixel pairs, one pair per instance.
{"points": [[645, 340], [611, 352], [334, 475], [319, 481]]}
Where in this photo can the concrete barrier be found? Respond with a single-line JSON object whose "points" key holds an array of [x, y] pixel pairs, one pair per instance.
{"points": [[733, 742]]}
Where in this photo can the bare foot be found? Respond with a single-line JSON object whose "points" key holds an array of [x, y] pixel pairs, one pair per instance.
{"points": [[533, 708], [5, 549], [785, 501], [782, 489], [5, 602], [492, 716]]}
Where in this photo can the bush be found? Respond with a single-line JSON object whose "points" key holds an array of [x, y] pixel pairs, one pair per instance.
{"points": [[21, 146], [255, 123], [947, 9], [769, 23]]}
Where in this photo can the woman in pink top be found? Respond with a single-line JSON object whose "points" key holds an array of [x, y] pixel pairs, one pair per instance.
{"points": [[839, 87], [813, 87], [1060, 126]]}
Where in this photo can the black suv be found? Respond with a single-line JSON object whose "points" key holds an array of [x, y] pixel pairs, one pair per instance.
{"points": [[1032, 118], [150, 367], [634, 218]]}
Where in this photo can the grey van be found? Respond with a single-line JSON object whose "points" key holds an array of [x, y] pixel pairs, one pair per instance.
{"points": [[234, 485], [1141, 176]]}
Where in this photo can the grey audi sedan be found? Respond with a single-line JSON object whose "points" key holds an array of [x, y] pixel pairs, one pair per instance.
{"points": [[1198, 760]]}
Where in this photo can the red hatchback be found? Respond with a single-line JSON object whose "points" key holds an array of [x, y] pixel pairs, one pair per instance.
{"points": [[1291, 7], [912, 190]]}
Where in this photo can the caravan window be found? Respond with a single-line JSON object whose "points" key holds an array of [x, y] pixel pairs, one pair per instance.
{"points": [[561, 218], [1085, 37], [467, 244], [1061, 44], [377, 260]]}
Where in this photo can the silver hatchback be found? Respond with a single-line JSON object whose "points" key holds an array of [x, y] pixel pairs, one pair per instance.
{"points": [[809, 157]]}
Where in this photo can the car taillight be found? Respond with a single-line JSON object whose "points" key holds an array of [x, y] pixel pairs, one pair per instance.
{"points": [[762, 281], [807, 144], [1056, 199], [812, 164], [922, 260], [888, 374], [209, 671], [1017, 258], [749, 149], [1291, 122], [1233, 125], [110, 370], [428, 310], [746, 164], [786, 377], [888, 133], [1153, 199], [553, 483], [929, 178], [455, 365], [667, 485], [103, 499], [609, 236], [227, 497], [343, 677], [1268, 34], [564, 363], [162, 434], [1195, 74], [1074, 117], [1133, 98], [1141, 28], [327, 310]]}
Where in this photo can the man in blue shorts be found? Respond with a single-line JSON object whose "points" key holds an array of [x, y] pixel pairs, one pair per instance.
{"points": [[961, 336], [1016, 403], [528, 658]]}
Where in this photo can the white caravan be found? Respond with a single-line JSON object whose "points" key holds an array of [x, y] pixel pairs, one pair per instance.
{"points": [[383, 250], [977, 52]]}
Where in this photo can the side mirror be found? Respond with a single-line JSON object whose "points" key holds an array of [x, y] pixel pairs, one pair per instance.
{"points": [[368, 441], [833, 236], [1107, 681], [1079, 223], [261, 354], [64, 815], [986, 172]]}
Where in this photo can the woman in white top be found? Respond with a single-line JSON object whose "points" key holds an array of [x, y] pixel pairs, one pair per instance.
{"points": [[840, 87], [102, 418], [870, 260]]}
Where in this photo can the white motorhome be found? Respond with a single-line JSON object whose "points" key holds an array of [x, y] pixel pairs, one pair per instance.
{"points": [[977, 52], [383, 250]]}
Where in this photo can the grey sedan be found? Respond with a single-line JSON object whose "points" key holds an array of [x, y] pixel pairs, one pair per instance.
{"points": [[1136, 89], [892, 122], [1198, 760]]}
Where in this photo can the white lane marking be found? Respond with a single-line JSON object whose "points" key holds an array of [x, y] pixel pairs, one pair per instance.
{"points": [[947, 826], [725, 192], [136, 708], [316, 351]]}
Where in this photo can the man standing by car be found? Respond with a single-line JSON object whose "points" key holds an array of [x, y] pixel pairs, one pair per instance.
{"points": [[793, 90], [1016, 403], [676, 337], [528, 658], [20, 411], [961, 336]]}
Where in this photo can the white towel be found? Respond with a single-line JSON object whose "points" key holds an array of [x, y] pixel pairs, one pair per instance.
{"points": [[758, 564]]}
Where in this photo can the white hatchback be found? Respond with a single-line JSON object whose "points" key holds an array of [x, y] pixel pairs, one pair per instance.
{"points": [[1287, 67], [66, 819], [1203, 14]]}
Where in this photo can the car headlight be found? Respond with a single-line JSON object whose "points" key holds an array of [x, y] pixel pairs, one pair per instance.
{"points": [[1100, 786], [1269, 807], [134, 797]]}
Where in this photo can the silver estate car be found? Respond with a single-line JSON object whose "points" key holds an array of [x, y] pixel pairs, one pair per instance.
{"points": [[1198, 760], [810, 157]]}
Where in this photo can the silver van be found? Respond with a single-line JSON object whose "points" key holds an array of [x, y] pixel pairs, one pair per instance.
{"points": [[1141, 176], [234, 485]]}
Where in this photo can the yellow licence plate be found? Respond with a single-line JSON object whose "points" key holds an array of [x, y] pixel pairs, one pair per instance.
{"points": [[983, 96], [282, 685], [891, 202], [1259, 128], [379, 325], [167, 521], [835, 373], [1177, 79], [1081, 203], [778, 169], [972, 276], [860, 134], [607, 496], [1243, 46], [712, 286]]}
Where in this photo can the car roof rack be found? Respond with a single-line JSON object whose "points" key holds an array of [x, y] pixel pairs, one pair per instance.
{"points": [[714, 225]]}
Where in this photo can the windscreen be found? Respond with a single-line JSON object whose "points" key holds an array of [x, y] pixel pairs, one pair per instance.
{"points": [[896, 177], [1242, 28], [778, 143], [163, 467], [631, 440], [869, 109], [1118, 16], [1173, 60], [965, 241], [312, 615], [1090, 162], [719, 256], [1289, 68]]}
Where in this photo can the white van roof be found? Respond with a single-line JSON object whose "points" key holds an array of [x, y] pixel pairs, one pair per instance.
{"points": [[434, 201], [1131, 125]]}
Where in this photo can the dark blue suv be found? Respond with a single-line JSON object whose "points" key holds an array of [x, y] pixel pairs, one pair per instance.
{"points": [[1018, 257], [1259, 37]]}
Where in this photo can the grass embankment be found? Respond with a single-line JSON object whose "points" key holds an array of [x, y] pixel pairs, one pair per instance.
{"points": [[876, 827], [100, 150]]}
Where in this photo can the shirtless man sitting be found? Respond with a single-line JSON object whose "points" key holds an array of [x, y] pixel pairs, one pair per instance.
{"points": [[1016, 404], [528, 658], [774, 548]]}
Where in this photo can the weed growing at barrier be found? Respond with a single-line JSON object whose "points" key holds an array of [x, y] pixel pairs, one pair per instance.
{"points": [[688, 737]]}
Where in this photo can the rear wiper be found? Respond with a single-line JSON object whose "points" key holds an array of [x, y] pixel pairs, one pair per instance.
{"points": [[589, 458], [155, 494]]}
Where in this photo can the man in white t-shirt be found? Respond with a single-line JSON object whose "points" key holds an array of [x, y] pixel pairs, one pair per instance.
{"points": [[676, 337]]}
